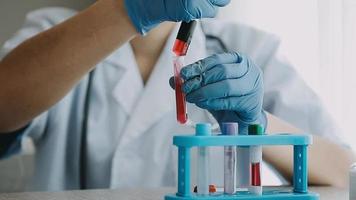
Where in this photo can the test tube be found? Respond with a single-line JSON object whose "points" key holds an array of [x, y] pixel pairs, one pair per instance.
{"points": [[243, 166], [203, 161], [181, 105], [255, 160], [229, 159], [352, 187], [180, 49]]}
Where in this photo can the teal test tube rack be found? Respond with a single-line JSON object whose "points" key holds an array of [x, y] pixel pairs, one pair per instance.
{"points": [[300, 177]]}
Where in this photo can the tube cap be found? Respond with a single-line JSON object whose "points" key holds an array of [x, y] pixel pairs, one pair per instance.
{"points": [[255, 129], [184, 38], [230, 128], [203, 129], [186, 31]]}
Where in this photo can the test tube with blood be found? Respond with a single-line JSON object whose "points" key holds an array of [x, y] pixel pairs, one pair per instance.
{"points": [[181, 107], [180, 50], [255, 160]]}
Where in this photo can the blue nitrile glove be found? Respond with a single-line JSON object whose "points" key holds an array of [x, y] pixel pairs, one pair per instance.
{"points": [[229, 86], [146, 14]]}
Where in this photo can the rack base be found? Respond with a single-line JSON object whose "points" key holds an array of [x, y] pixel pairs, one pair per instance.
{"points": [[268, 194]]}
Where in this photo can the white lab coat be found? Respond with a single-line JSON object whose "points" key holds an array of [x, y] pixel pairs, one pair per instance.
{"points": [[130, 125]]}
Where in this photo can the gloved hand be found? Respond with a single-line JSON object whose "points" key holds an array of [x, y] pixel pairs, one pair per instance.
{"points": [[146, 14], [229, 86]]}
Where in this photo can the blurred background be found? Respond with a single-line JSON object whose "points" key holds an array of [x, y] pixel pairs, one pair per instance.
{"points": [[318, 37]]}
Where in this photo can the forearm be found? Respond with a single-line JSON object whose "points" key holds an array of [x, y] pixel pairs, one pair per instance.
{"points": [[328, 162], [39, 72]]}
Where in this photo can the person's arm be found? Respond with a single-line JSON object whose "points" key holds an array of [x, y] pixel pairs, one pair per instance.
{"points": [[328, 162], [39, 72], [43, 69]]}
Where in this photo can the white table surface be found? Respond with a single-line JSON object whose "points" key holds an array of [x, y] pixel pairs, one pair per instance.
{"points": [[326, 193]]}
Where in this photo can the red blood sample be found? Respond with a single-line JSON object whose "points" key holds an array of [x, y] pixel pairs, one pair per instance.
{"points": [[180, 48], [181, 106], [212, 188], [255, 174]]}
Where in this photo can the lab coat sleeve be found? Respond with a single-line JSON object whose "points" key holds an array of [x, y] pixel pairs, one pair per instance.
{"points": [[35, 22], [288, 97], [11, 143]]}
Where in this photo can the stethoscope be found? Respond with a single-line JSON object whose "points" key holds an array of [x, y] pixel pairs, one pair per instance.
{"points": [[83, 144]]}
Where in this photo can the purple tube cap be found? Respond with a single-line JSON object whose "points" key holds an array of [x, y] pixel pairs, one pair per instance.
{"points": [[230, 128]]}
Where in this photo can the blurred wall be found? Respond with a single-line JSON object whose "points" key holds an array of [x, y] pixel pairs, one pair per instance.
{"points": [[12, 12], [296, 22]]}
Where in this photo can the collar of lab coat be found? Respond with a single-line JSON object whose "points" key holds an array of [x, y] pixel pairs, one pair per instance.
{"points": [[129, 84], [147, 104]]}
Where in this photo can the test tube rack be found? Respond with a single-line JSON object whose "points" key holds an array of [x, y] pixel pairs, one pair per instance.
{"points": [[300, 177]]}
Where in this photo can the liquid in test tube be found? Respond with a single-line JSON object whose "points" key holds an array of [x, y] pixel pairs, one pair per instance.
{"points": [[181, 105], [203, 164], [256, 160], [180, 49], [230, 159]]}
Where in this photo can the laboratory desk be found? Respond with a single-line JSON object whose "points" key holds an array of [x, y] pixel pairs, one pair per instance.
{"points": [[326, 193]]}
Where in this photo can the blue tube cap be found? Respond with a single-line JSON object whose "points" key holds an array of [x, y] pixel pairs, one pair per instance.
{"points": [[230, 128], [203, 129]]}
